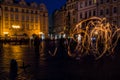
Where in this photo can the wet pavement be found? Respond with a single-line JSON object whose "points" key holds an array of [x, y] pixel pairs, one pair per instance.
{"points": [[46, 67]]}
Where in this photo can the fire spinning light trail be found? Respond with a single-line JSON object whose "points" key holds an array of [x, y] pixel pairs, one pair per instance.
{"points": [[94, 36]]}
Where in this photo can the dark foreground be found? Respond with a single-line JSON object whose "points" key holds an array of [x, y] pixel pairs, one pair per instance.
{"points": [[46, 67]]}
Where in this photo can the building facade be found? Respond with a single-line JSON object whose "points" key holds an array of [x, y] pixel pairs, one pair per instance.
{"points": [[71, 12], [65, 18], [110, 10], [59, 19], [86, 9], [78, 10], [22, 18]]}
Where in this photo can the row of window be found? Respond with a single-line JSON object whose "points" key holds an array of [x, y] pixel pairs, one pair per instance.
{"points": [[107, 11], [22, 17], [92, 2], [73, 6], [21, 10], [103, 1], [93, 12], [88, 14]]}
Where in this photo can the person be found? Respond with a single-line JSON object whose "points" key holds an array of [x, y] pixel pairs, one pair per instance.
{"points": [[62, 52], [37, 45], [13, 69]]}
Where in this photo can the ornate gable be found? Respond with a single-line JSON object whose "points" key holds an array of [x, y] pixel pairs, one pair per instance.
{"points": [[22, 2], [33, 4]]}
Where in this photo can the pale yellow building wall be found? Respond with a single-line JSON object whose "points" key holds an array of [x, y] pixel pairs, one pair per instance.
{"points": [[31, 24]]}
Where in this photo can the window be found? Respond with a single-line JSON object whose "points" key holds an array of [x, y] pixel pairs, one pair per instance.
{"points": [[94, 13], [73, 12], [16, 17], [94, 1], [36, 12], [86, 14], [31, 11], [27, 18], [23, 18], [6, 8], [23, 26], [74, 20], [107, 11], [6, 15], [27, 11], [16, 9], [101, 1], [90, 2], [11, 16], [101, 12], [23, 10], [89, 13], [107, 1], [6, 25], [11, 9], [32, 18], [81, 5], [85, 3], [80, 15], [36, 19], [115, 10]]}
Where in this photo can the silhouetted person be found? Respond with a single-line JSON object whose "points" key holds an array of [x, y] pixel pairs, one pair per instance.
{"points": [[13, 69], [62, 52], [36, 45]]}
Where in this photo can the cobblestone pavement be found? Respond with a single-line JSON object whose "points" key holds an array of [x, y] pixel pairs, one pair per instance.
{"points": [[46, 68]]}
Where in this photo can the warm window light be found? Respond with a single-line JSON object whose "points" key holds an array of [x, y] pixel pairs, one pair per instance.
{"points": [[5, 32], [15, 26], [40, 32], [96, 32], [95, 1]]}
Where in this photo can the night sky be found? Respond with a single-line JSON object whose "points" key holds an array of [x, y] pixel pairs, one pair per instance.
{"points": [[51, 4]]}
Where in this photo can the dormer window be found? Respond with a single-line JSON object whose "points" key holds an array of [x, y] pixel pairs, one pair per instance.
{"points": [[33, 4], [22, 2], [8, 1]]}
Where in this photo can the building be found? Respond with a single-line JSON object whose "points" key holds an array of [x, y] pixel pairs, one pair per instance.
{"points": [[78, 10], [17, 17], [65, 18], [71, 12], [110, 10], [86, 9], [59, 19]]}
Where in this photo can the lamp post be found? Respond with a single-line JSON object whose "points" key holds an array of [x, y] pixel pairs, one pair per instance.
{"points": [[15, 27]]}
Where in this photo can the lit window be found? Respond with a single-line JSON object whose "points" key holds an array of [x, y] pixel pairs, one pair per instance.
{"points": [[94, 1]]}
